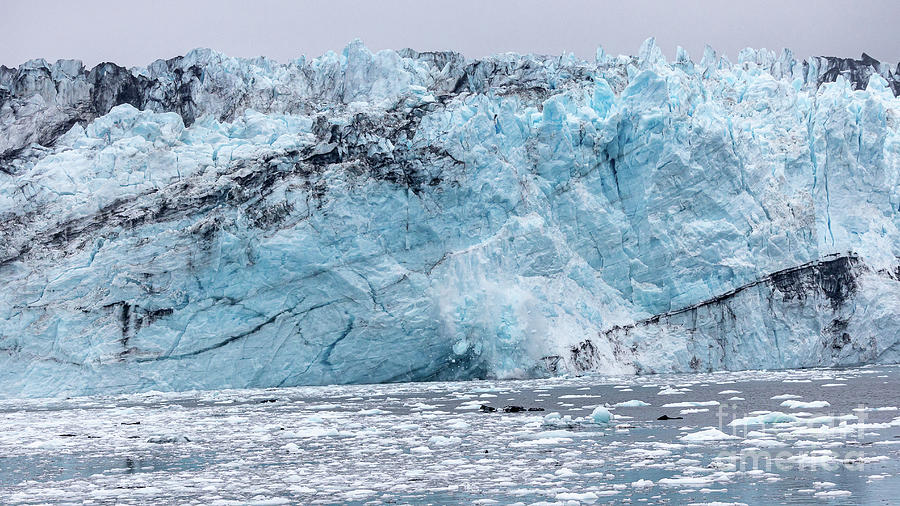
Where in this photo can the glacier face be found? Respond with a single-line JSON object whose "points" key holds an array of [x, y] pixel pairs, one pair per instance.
{"points": [[215, 222]]}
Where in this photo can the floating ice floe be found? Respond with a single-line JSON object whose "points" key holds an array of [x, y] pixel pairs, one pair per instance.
{"points": [[695, 481], [709, 434], [634, 403], [767, 418], [833, 493], [764, 443], [473, 405], [444, 440], [793, 404], [574, 496], [600, 416], [870, 410], [373, 411], [313, 432], [690, 404], [168, 439], [672, 391]]}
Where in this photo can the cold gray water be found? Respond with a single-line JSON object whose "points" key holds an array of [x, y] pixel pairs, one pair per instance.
{"points": [[821, 436]]}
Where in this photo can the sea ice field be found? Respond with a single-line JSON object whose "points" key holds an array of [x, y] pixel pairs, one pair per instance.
{"points": [[814, 436]]}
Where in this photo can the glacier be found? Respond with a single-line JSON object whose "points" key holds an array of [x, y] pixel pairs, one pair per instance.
{"points": [[213, 222]]}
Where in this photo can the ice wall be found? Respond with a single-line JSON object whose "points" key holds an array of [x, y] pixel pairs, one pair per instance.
{"points": [[214, 222]]}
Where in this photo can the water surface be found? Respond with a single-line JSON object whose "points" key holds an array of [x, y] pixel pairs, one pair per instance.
{"points": [[431, 443]]}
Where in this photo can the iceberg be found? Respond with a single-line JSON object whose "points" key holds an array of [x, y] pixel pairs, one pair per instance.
{"points": [[213, 222], [600, 415]]}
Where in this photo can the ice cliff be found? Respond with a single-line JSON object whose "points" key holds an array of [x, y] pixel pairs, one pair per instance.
{"points": [[215, 222]]}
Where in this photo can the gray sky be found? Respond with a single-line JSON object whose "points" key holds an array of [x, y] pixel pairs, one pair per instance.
{"points": [[136, 33]]}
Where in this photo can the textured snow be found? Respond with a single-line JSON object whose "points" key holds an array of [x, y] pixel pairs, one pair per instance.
{"points": [[372, 217]]}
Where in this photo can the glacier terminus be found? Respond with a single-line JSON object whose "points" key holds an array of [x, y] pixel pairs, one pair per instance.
{"points": [[212, 222]]}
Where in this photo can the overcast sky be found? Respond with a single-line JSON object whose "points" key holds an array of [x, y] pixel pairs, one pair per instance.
{"points": [[136, 33]]}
